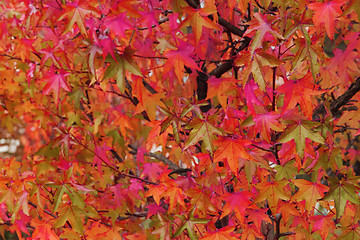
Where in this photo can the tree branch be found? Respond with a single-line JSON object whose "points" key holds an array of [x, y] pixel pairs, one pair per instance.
{"points": [[337, 107], [345, 98], [157, 156]]}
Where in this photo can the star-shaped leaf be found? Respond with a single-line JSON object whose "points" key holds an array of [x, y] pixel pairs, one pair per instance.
{"points": [[203, 129], [197, 19], [299, 132], [310, 192], [342, 192], [272, 192], [118, 67], [233, 151], [56, 81], [326, 13]]}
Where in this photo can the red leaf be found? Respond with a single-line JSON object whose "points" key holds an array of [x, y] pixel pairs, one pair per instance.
{"points": [[236, 202], [299, 91], [326, 13], [56, 81]]}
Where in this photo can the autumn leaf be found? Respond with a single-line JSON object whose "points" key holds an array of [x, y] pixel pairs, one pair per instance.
{"points": [[265, 122], [101, 157], [299, 132], [43, 230], [118, 24], [202, 129], [118, 67], [233, 151], [310, 192], [299, 91], [177, 59], [56, 81], [77, 15], [259, 61], [175, 196], [189, 224], [202, 199], [323, 224], [261, 26], [197, 19], [272, 192], [237, 202], [221, 234], [258, 216], [326, 13], [73, 215], [342, 193]]}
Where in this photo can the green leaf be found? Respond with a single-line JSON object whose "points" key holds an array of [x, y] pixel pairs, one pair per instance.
{"points": [[286, 171], [75, 197], [299, 132], [188, 224], [117, 69], [58, 196], [202, 130], [341, 192], [72, 214]]}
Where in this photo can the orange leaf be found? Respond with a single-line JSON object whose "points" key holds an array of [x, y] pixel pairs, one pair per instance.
{"points": [[272, 192], [326, 13], [197, 19], [225, 233], [310, 192], [233, 151]]}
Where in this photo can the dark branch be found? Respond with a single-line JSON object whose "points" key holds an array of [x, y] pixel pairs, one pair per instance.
{"points": [[337, 107], [345, 98]]}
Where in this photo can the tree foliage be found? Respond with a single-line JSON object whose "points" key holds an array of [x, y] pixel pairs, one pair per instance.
{"points": [[180, 119]]}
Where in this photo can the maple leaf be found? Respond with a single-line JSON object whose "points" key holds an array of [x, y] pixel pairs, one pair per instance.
{"points": [[165, 230], [188, 224], [197, 19], [341, 192], [43, 230], [151, 170], [265, 122], [262, 27], [252, 101], [147, 102], [118, 24], [323, 224], [237, 202], [299, 91], [306, 52], [202, 129], [56, 81], [202, 199], [177, 59], [326, 13], [272, 192], [261, 59], [299, 132], [101, 157], [258, 216], [221, 234], [173, 120], [233, 151], [77, 15], [119, 65], [175, 196], [310, 192], [353, 5], [154, 209], [156, 192], [128, 7]]}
